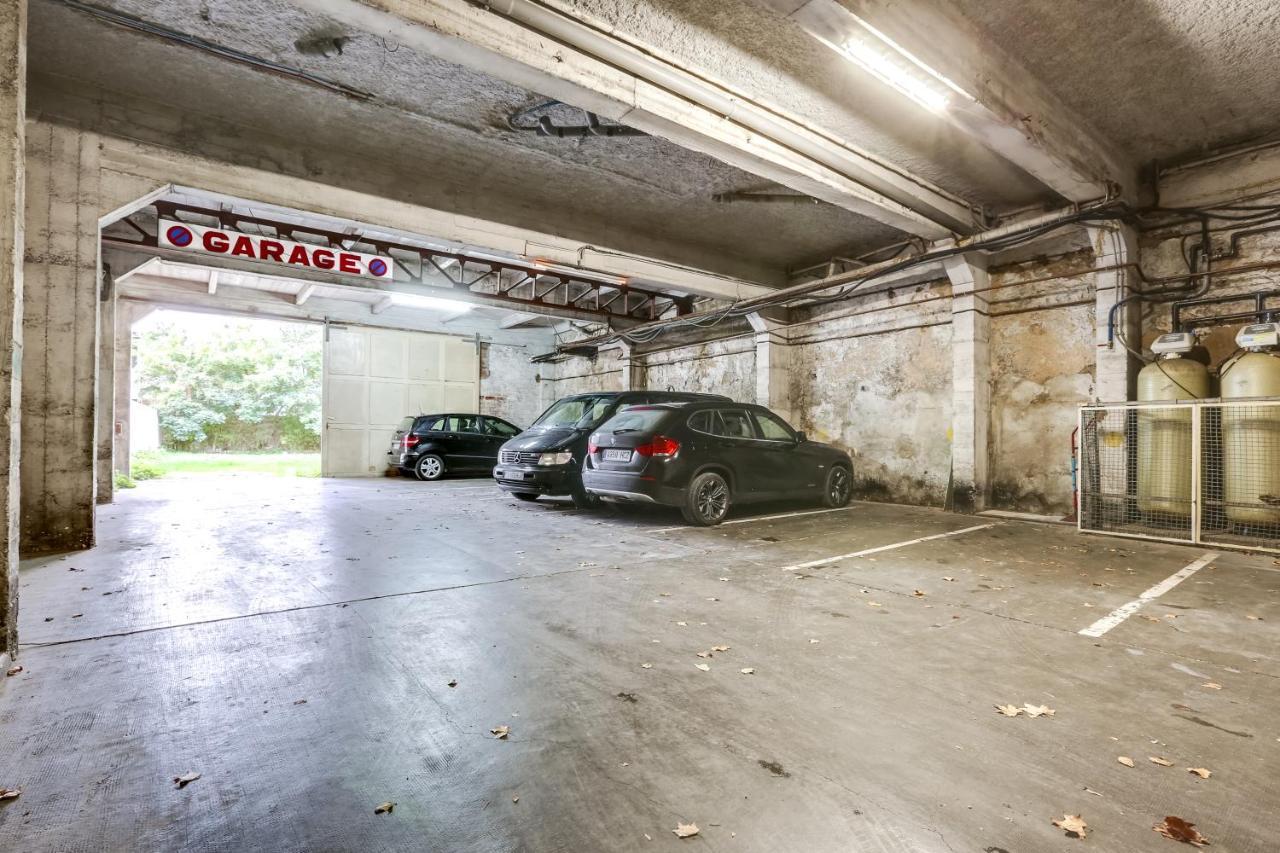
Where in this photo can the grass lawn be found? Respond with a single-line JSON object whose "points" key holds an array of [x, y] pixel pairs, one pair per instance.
{"points": [[171, 463]]}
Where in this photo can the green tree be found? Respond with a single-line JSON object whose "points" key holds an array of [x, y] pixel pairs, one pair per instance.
{"points": [[243, 387]]}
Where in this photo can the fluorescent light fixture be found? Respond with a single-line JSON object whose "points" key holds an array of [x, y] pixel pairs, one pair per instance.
{"points": [[431, 303], [889, 62]]}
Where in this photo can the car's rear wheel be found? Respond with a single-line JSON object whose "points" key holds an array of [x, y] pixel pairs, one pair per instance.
{"points": [[524, 496], [838, 488], [429, 467], [707, 500]]}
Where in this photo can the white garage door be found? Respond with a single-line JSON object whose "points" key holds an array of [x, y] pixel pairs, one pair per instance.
{"points": [[373, 378]]}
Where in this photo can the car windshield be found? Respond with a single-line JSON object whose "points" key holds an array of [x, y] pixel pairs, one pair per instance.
{"points": [[576, 412]]}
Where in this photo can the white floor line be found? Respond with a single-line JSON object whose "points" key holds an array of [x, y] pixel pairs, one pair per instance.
{"points": [[825, 560], [1115, 617], [756, 518]]}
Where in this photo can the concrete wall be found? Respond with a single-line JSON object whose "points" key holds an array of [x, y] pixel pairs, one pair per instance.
{"points": [[719, 367], [60, 339], [510, 387], [875, 379], [578, 375]]}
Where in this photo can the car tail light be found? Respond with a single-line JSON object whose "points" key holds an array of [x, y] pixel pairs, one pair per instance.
{"points": [[592, 447], [411, 441], [659, 446]]}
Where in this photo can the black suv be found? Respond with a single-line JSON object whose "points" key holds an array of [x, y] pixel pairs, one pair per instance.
{"points": [[704, 457], [429, 446], [546, 459]]}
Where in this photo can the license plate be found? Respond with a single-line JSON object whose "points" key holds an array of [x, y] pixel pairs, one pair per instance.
{"points": [[617, 456]]}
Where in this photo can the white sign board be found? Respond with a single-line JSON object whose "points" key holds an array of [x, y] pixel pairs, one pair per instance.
{"points": [[231, 244]]}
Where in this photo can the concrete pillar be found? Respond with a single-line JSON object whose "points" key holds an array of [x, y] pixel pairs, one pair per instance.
{"points": [[13, 124], [60, 340], [107, 318], [970, 382], [1115, 369], [633, 378], [773, 364]]}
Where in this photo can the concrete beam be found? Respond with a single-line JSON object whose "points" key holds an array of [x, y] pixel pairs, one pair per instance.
{"points": [[990, 95], [1222, 178], [773, 364], [106, 392], [515, 319], [190, 296], [970, 382], [577, 60], [383, 304], [304, 294], [13, 126], [1115, 368], [213, 282], [633, 369], [132, 170]]}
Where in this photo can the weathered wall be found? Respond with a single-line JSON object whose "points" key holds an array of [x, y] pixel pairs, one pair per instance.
{"points": [[874, 377], [510, 386], [578, 374], [60, 339], [719, 367], [13, 99], [1042, 369]]}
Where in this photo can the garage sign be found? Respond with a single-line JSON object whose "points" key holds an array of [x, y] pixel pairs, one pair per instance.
{"points": [[232, 244]]}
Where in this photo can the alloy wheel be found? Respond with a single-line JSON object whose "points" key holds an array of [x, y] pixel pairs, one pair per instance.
{"points": [[430, 468], [712, 499], [838, 486]]}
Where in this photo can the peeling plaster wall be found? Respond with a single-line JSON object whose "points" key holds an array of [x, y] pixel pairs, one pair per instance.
{"points": [[509, 386], [578, 375], [1042, 369], [719, 367], [874, 377]]}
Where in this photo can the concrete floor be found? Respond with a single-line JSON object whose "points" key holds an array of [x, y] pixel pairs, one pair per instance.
{"points": [[294, 641]]}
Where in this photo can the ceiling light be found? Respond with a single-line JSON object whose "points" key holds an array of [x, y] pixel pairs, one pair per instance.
{"points": [[889, 62], [431, 303]]}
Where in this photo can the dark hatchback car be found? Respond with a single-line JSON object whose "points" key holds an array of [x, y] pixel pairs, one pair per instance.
{"points": [[430, 446], [546, 459], [706, 457]]}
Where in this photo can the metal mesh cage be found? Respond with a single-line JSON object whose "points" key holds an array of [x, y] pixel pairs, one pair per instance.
{"points": [[1189, 472]]}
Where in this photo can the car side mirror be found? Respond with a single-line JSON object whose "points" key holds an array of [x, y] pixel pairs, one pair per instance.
{"points": [[801, 438]]}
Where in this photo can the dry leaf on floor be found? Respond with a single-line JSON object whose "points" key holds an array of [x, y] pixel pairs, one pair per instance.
{"points": [[516, 798], [1125, 760], [811, 640], [10, 793], [719, 648], [1009, 710], [874, 604], [1212, 685], [1254, 618], [683, 624], [500, 732], [685, 830], [646, 666], [185, 779], [1180, 830], [948, 578], [385, 808], [453, 682], [299, 701], [1073, 825], [748, 670], [919, 593], [1202, 772], [703, 654], [14, 670], [702, 666], [1034, 711], [1163, 762]]}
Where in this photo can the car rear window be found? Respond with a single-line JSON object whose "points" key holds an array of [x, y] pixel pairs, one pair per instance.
{"points": [[636, 418], [405, 425], [434, 423]]}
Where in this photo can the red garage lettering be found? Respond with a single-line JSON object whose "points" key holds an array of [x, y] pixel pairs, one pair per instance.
{"points": [[323, 259], [348, 262], [299, 256], [215, 241], [243, 247], [270, 250]]}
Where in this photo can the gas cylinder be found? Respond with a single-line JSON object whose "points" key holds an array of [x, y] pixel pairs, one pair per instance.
{"points": [[1164, 434], [1251, 433]]}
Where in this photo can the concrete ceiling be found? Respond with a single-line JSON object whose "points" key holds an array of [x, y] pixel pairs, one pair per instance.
{"points": [[440, 129], [1164, 79], [1161, 79]]}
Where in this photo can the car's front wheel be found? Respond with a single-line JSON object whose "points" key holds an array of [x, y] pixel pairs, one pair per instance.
{"points": [[429, 467], [838, 488], [706, 502]]}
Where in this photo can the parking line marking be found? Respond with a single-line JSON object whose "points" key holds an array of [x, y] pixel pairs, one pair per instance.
{"points": [[755, 518], [826, 560], [1115, 617]]}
